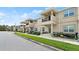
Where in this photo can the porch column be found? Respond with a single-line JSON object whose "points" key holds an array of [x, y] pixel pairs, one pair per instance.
{"points": [[52, 15], [41, 30], [77, 26], [51, 28], [23, 28]]}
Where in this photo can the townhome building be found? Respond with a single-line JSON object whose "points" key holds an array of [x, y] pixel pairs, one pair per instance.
{"points": [[66, 21], [28, 25], [51, 20]]}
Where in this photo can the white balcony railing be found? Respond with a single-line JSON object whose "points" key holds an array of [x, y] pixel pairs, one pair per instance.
{"points": [[49, 21], [46, 19]]}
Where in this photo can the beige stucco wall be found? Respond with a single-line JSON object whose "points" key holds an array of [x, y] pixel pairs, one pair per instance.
{"points": [[38, 25], [78, 27], [62, 21], [78, 19], [56, 28]]}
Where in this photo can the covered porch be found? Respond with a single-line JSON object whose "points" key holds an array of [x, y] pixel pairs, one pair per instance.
{"points": [[46, 29]]}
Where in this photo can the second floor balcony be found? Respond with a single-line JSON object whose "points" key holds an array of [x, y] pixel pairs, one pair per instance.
{"points": [[45, 19], [49, 20]]}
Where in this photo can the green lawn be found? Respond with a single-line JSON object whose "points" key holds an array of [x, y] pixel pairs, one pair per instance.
{"points": [[57, 44]]}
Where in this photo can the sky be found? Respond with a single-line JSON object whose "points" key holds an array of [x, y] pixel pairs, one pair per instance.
{"points": [[14, 15]]}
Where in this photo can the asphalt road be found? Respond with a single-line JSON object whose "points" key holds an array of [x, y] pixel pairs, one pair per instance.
{"points": [[11, 42]]}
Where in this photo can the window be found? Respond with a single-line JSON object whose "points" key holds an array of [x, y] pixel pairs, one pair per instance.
{"points": [[69, 12], [65, 29], [69, 28], [66, 13]]}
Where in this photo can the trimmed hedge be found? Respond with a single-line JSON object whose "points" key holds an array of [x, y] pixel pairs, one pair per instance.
{"points": [[72, 36], [57, 34], [34, 32], [68, 35]]}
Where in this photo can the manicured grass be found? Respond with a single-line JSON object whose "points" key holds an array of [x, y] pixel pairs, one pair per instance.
{"points": [[57, 44]]}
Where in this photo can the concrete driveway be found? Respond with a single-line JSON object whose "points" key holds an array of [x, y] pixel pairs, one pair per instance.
{"points": [[11, 42]]}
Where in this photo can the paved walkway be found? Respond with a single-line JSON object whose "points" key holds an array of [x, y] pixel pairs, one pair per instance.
{"points": [[11, 42], [72, 41]]}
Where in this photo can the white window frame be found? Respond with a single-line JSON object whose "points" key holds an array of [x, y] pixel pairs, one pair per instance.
{"points": [[71, 10], [69, 26], [68, 12]]}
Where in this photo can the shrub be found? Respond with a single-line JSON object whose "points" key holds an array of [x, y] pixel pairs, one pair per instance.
{"points": [[72, 36], [31, 32], [57, 34], [34, 32], [61, 34]]}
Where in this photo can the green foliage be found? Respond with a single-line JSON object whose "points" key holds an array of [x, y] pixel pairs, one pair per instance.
{"points": [[34, 32], [68, 35], [57, 34], [61, 45], [6, 28], [72, 36], [3, 28]]}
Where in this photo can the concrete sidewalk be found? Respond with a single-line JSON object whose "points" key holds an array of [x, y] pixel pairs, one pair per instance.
{"points": [[48, 36]]}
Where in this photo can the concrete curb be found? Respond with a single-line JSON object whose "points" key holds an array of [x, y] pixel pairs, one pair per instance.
{"points": [[47, 46]]}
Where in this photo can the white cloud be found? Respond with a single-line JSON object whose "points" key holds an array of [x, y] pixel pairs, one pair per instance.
{"points": [[33, 14], [36, 11], [2, 14], [24, 15], [46, 8], [2, 21]]}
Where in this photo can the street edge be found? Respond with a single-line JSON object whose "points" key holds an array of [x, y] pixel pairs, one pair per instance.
{"points": [[42, 44]]}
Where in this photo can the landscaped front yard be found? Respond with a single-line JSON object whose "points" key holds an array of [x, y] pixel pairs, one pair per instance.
{"points": [[57, 44]]}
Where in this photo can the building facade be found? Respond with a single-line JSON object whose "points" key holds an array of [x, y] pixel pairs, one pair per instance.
{"points": [[28, 25], [66, 21], [51, 20]]}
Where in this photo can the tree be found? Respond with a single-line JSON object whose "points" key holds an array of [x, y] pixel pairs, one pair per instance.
{"points": [[5, 28]]}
